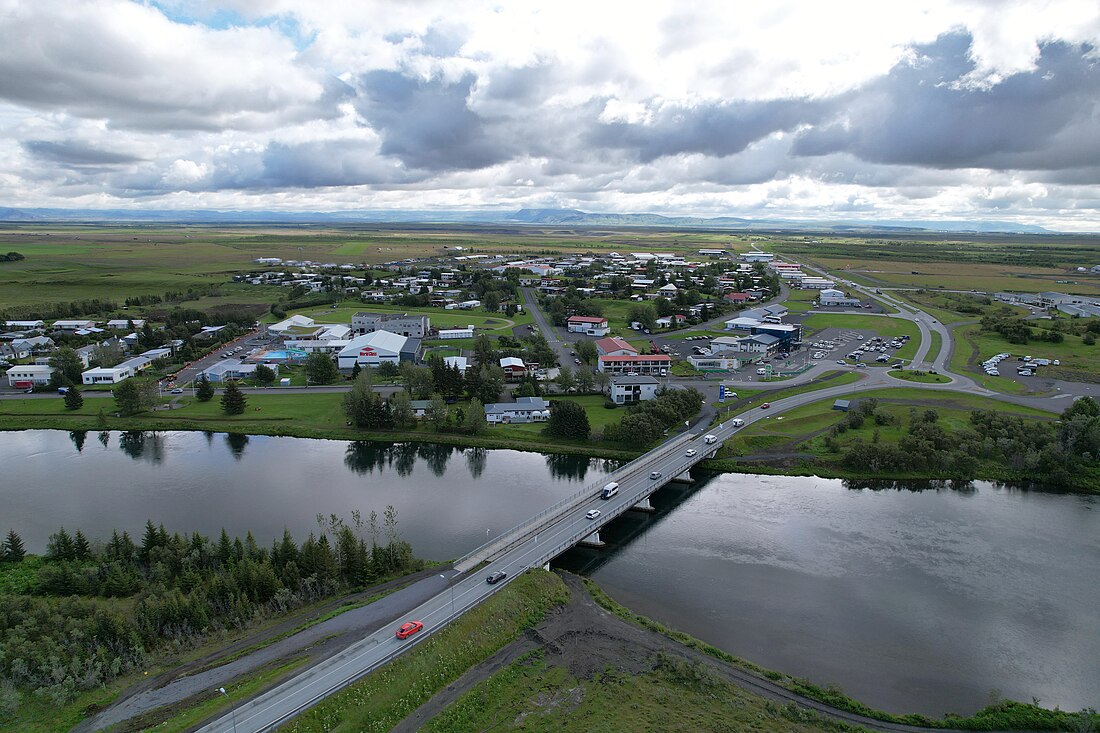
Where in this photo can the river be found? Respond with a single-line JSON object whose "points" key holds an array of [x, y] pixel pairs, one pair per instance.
{"points": [[918, 597]]}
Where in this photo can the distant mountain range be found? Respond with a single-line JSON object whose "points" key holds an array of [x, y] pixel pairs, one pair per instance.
{"points": [[552, 217]]}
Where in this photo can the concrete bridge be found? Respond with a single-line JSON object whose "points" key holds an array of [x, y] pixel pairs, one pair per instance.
{"points": [[533, 543]]}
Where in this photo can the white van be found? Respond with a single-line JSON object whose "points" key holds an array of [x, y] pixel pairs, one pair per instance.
{"points": [[708, 439], [761, 370], [610, 490], [738, 422]]}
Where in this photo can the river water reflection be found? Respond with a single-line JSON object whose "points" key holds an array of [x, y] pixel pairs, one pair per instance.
{"points": [[911, 597]]}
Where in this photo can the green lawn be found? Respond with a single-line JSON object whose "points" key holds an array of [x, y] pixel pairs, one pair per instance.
{"points": [[440, 317], [924, 377], [794, 426], [935, 345], [383, 698]]}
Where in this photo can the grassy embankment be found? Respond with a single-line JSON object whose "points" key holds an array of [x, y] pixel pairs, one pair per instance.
{"points": [[318, 415], [531, 694], [803, 430], [921, 377], [1006, 715], [383, 698]]}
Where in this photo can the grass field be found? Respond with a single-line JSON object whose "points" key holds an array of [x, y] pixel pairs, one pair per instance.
{"points": [[1077, 359], [383, 698], [794, 427], [440, 317], [954, 275]]}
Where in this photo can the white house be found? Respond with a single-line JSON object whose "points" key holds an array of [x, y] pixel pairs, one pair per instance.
{"points": [[24, 325], [288, 323], [457, 361], [456, 333], [524, 409], [107, 375], [832, 297], [591, 325], [23, 376], [626, 389], [73, 325], [229, 369], [120, 324]]}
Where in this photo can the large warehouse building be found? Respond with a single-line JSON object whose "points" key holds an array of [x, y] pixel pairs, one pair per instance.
{"points": [[377, 347]]}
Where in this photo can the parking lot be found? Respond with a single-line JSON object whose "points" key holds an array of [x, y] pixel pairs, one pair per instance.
{"points": [[849, 347]]}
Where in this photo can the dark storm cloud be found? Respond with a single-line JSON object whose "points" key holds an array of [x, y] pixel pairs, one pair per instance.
{"points": [[927, 112], [75, 154], [428, 124], [714, 129]]}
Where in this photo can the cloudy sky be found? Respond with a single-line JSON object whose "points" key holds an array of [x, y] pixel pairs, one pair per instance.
{"points": [[874, 110]]}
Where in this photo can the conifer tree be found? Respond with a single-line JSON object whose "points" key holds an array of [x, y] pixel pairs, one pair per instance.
{"points": [[204, 390], [73, 399], [13, 550], [233, 400]]}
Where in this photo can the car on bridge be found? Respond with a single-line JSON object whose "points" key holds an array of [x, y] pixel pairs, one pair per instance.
{"points": [[409, 628], [654, 475], [691, 452], [592, 514], [496, 577]]}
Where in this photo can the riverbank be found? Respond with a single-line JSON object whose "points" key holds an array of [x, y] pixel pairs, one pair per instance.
{"points": [[792, 444]]}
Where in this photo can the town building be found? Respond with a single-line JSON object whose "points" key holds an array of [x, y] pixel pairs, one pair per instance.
{"points": [[456, 333], [24, 325], [523, 410], [830, 297], [25, 376], [514, 368], [457, 361], [626, 390], [590, 325], [416, 327], [68, 325], [614, 346], [228, 370], [107, 375], [377, 347], [759, 344], [652, 364]]}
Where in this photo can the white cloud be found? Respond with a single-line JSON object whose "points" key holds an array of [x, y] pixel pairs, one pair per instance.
{"points": [[936, 108]]}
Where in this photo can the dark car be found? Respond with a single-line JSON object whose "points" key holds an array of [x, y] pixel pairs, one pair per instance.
{"points": [[408, 629], [496, 577]]}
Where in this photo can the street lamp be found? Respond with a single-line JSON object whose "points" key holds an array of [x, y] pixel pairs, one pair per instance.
{"points": [[232, 711], [452, 598]]}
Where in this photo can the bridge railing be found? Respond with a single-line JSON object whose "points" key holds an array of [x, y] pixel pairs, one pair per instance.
{"points": [[589, 489]]}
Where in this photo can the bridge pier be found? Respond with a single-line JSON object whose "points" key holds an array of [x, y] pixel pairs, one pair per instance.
{"points": [[643, 506], [683, 478], [593, 540]]}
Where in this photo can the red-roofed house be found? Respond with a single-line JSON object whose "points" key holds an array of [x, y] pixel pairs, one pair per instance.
{"points": [[651, 364], [615, 346], [736, 297], [591, 325]]}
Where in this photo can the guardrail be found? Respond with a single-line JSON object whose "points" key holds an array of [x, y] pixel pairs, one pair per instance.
{"points": [[508, 537], [548, 552]]}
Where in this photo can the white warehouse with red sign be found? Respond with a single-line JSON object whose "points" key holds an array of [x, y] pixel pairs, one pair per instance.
{"points": [[377, 347]]}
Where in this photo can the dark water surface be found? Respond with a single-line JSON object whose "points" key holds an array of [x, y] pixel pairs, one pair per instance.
{"points": [[915, 597], [446, 498]]}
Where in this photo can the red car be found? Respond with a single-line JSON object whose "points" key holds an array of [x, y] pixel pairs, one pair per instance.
{"points": [[408, 629], [765, 406]]}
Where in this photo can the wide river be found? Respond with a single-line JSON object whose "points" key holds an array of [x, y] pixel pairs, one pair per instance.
{"points": [[917, 597]]}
